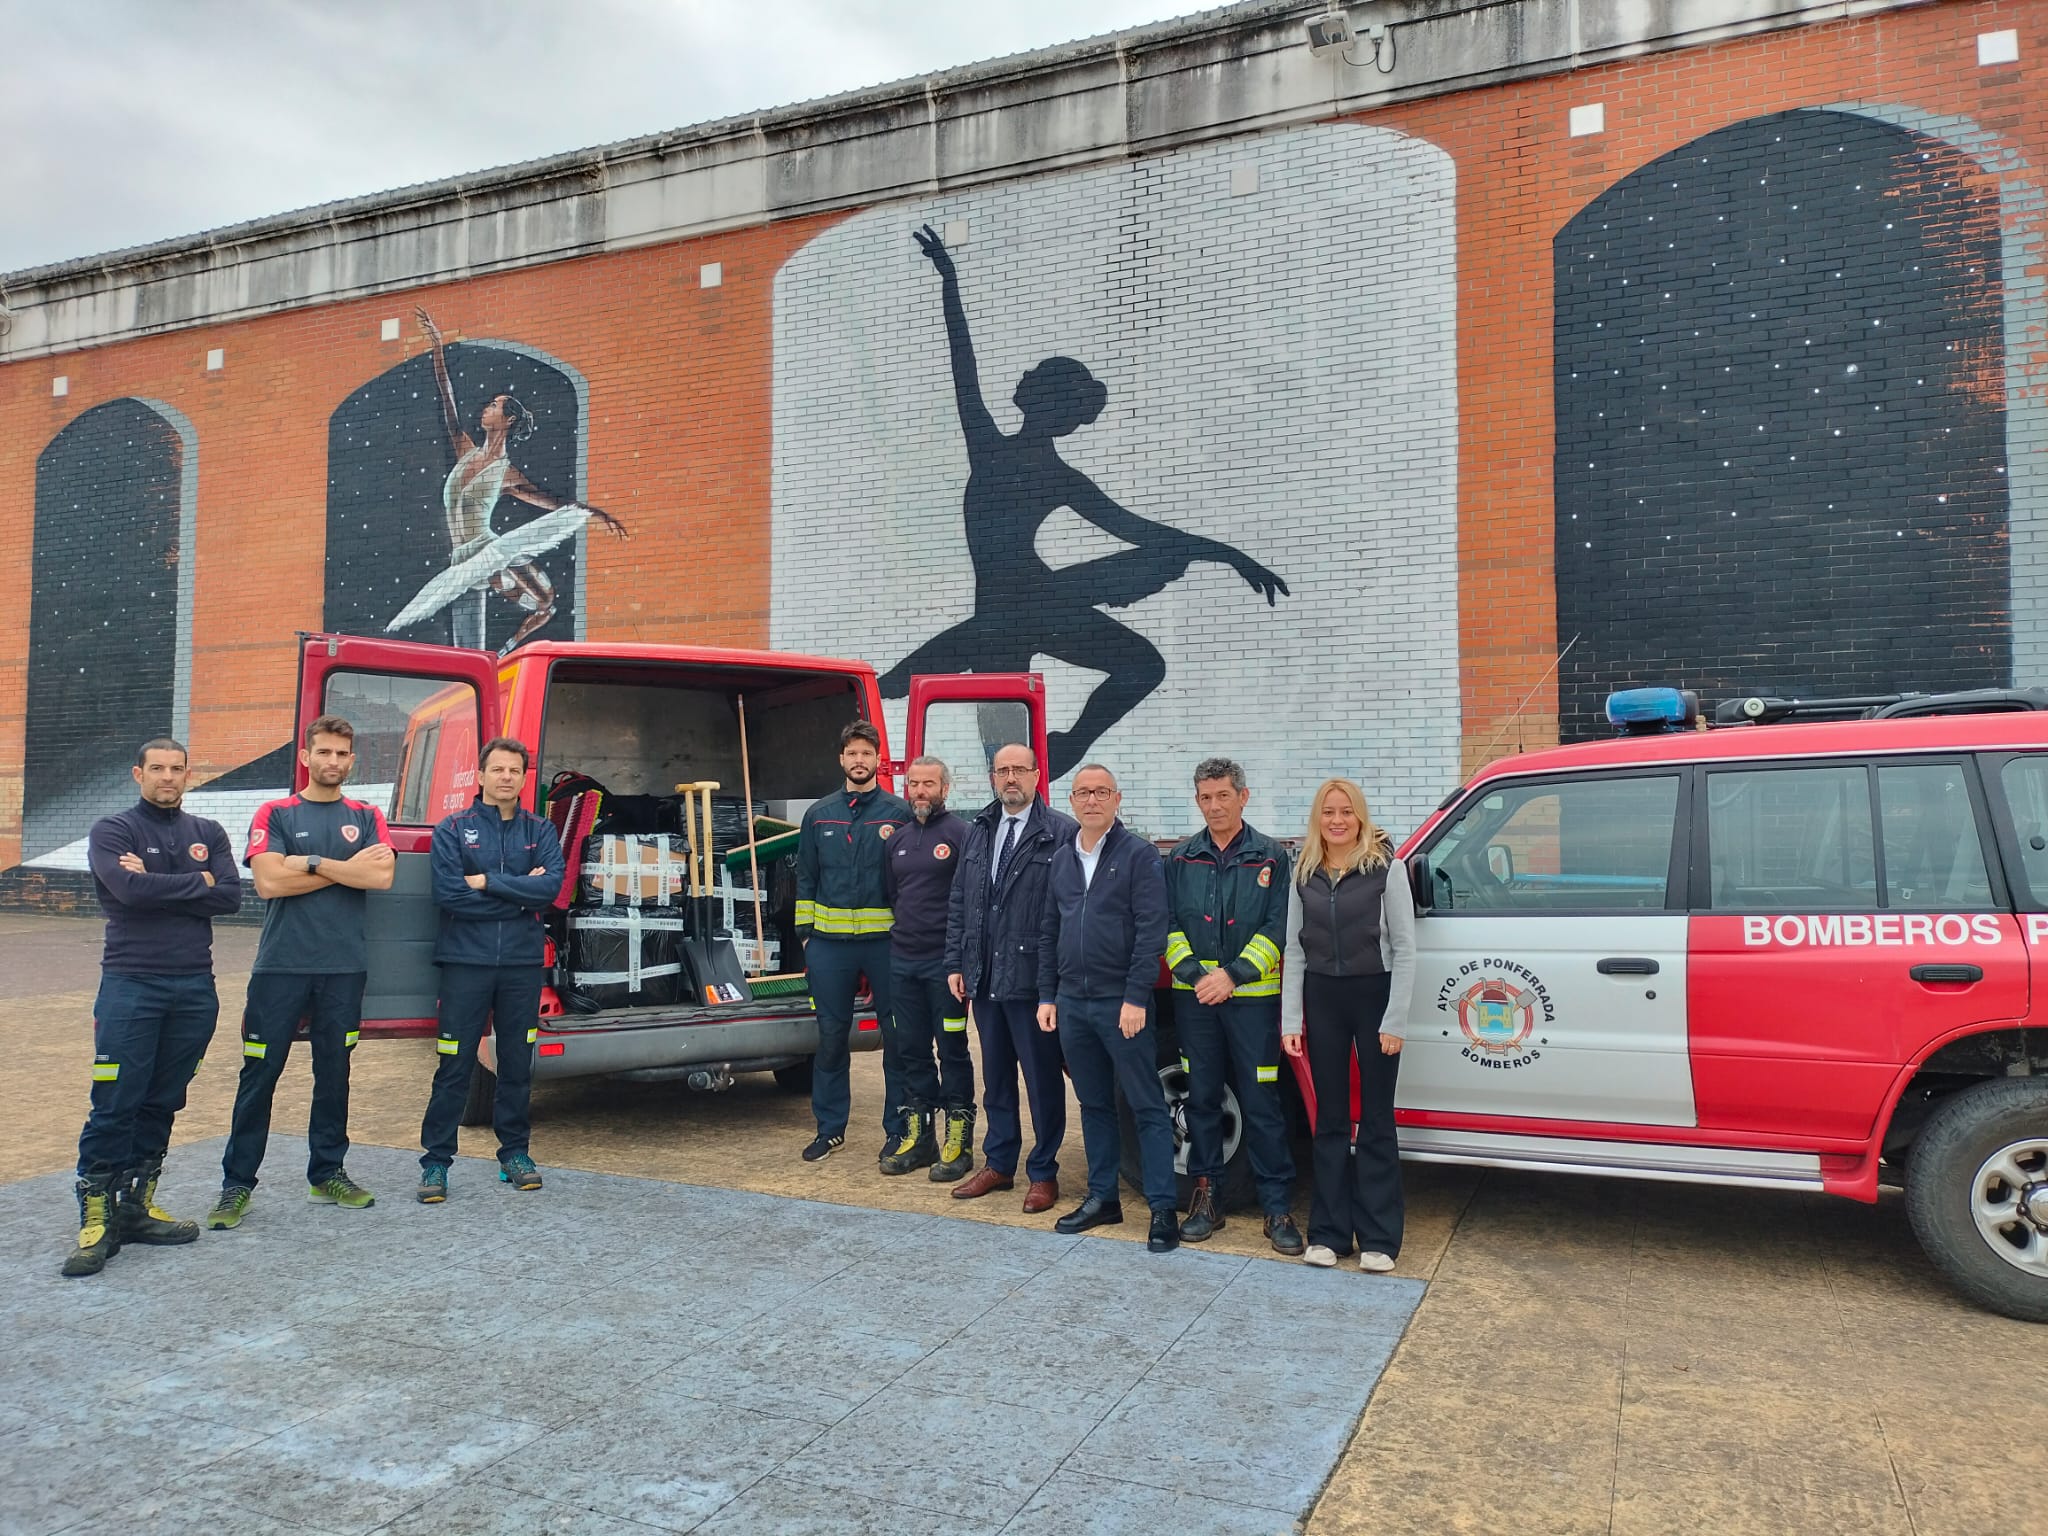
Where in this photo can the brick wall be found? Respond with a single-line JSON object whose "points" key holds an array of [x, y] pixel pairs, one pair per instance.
{"points": [[1345, 351]]}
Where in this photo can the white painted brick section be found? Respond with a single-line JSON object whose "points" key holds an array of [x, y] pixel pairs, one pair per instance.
{"points": [[1281, 368]]}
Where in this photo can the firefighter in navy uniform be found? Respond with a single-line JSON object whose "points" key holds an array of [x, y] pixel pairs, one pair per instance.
{"points": [[162, 876], [314, 857], [1226, 899], [922, 860], [842, 909]]}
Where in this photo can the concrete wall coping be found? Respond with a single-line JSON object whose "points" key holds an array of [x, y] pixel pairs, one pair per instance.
{"points": [[1236, 70]]}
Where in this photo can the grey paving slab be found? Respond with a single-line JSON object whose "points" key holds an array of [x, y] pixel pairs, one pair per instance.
{"points": [[778, 1506], [613, 1355], [479, 1508], [358, 1465], [182, 1514], [1073, 1503], [666, 1461], [971, 1457], [69, 1457]]}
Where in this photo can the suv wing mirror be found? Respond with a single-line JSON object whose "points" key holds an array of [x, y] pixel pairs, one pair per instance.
{"points": [[1419, 882]]}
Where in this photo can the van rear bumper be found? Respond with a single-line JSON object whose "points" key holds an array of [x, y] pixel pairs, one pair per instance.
{"points": [[596, 1051]]}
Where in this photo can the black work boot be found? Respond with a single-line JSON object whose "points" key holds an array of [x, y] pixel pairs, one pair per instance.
{"points": [[1204, 1214], [99, 1228], [956, 1152], [917, 1148], [139, 1219]]}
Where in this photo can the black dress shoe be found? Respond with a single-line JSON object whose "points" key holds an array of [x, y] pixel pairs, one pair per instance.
{"points": [[1284, 1235], [1165, 1233], [1090, 1213]]}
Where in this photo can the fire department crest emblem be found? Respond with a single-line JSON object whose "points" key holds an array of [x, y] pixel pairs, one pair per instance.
{"points": [[1497, 1015], [350, 833], [197, 853], [943, 851], [1265, 877], [885, 832]]}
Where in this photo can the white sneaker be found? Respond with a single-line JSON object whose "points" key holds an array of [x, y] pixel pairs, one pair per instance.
{"points": [[1374, 1263], [1321, 1257]]}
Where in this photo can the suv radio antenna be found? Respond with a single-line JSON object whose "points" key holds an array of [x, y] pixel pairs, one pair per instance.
{"points": [[1556, 662]]}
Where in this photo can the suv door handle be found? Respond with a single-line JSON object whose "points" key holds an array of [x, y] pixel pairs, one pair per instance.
{"points": [[1626, 966], [1962, 973]]}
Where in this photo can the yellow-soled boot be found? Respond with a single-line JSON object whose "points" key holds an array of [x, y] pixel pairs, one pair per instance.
{"points": [[140, 1220], [99, 1232]]}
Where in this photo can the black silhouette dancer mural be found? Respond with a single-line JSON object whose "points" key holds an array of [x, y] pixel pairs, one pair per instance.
{"points": [[103, 644], [443, 532], [1022, 606], [1781, 451], [1164, 401]]}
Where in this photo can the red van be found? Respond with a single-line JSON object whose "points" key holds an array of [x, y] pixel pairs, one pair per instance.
{"points": [[638, 719]]}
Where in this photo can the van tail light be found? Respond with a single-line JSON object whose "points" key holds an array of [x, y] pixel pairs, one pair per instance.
{"points": [[553, 1047]]}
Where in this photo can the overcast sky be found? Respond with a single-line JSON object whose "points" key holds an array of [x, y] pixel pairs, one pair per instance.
{"points": [[128, 121]]}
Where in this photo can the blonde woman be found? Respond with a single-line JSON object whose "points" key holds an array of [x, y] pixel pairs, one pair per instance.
{"points": [[1350, 968]]}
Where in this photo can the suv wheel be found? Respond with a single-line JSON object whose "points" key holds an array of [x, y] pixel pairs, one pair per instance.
{"points": [[483, 1095], [1977, 1194], [1237, 1192]]}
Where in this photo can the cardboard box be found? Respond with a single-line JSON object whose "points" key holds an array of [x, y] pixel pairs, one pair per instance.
{"points": [[642, 869]]}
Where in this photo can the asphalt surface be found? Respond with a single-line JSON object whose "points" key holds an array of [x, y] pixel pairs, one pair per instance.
{"points": [[1588, 1356]]}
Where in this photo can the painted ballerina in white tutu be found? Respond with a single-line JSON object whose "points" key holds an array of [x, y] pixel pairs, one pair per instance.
{"points": [[480, 560]]}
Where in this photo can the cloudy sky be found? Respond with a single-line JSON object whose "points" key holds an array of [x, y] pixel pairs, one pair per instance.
{"points": [[128, 121]]}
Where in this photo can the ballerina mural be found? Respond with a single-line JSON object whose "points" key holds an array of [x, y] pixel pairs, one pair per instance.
{"points": [[481, 561]]}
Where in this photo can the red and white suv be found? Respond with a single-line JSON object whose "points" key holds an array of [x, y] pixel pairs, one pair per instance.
{"points": [[1792, 956]]}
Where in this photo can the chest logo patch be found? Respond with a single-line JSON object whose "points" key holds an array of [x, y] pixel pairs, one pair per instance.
{"points": [[885, 832], [351, 832], [469, 836], [1265, 877], [197, 853], [943, 851]]}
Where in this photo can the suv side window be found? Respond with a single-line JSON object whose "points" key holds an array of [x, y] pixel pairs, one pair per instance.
{"points": [[2025, 781], [1571, 845], [1933, 857], [1790, 839]]}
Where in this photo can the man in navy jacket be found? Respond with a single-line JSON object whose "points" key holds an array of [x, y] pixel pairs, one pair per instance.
{"points": [[1103, 932], [162, 876], [496, 868], [992, 963]]}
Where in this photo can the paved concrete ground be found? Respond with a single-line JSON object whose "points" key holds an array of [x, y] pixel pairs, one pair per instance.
{"points": [[620, 1354], [1590, 1356]]}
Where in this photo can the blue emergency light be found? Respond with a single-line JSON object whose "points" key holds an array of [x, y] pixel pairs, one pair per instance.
{"points": [[1646, 711]]}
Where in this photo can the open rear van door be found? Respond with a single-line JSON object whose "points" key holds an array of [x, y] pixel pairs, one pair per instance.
{"points": [[420, 712], [967, 717]]}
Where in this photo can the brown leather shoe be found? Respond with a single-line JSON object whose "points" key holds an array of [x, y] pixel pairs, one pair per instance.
{"points": [[984, 1181], [1043, 1195]]}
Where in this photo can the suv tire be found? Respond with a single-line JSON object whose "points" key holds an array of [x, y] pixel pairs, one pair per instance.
{"points": [[1961, 1189], [483, 1095], [1237, 1191]]}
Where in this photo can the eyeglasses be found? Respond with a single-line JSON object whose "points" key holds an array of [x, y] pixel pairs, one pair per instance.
{"points": [[1093, 794], [1015, 773]]}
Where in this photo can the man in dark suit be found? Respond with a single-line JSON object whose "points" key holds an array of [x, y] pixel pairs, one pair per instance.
{"points": [[992, 961], [1100, 939]]}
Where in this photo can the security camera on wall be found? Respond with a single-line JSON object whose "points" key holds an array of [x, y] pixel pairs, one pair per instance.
{"points": [[1329, 33]]}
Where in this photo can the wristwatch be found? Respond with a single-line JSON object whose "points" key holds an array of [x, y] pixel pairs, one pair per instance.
{"points": [[312, 863]]}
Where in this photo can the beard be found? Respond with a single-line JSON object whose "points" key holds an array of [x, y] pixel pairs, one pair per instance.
{"points": [[1023, 798], [926, 812]]}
